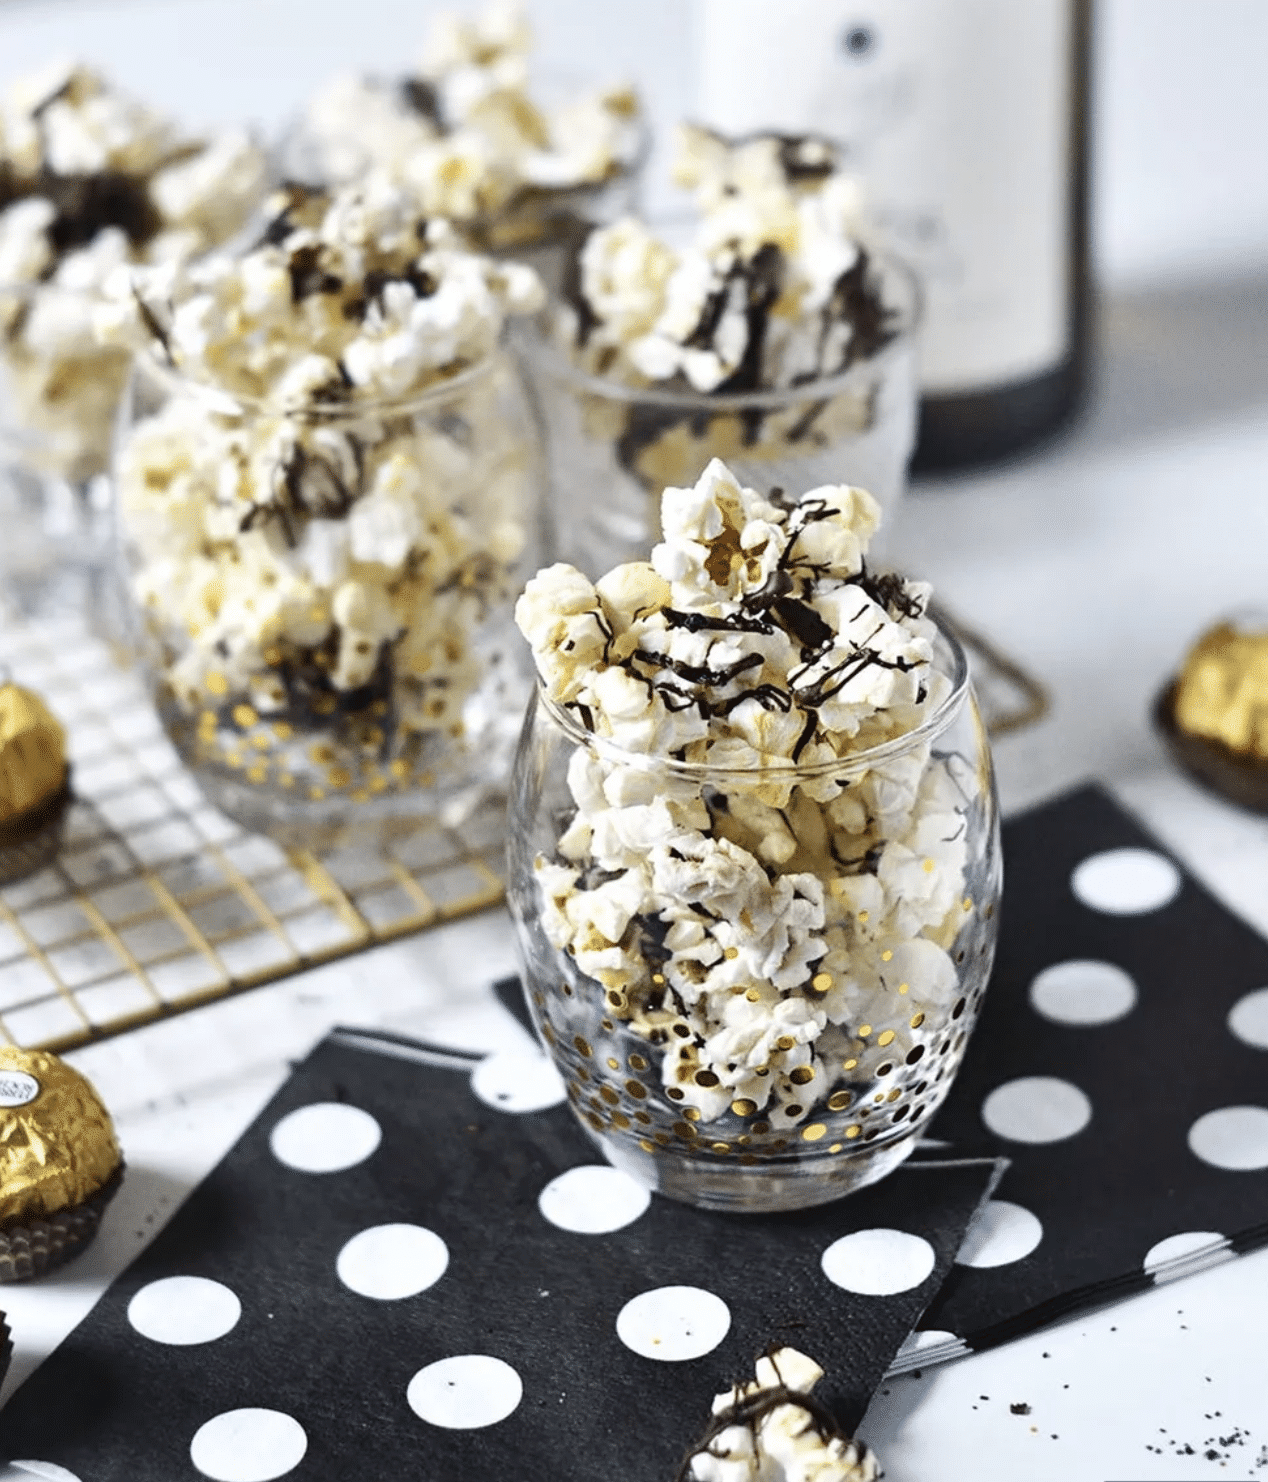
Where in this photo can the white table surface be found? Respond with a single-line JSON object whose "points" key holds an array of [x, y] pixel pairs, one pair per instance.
{"points": [[1095, 564]]}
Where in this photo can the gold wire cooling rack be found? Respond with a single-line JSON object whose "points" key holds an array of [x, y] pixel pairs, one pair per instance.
{"points": [[157, 903]]}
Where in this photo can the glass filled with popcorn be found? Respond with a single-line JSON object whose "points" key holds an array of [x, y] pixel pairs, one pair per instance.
{"points": [[770, 329], [329, 493], [91, 181], [754, 853]]}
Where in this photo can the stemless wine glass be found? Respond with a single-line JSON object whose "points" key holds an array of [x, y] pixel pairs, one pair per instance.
{"points": [[747, 1090], [322, 598], [614, 447]]}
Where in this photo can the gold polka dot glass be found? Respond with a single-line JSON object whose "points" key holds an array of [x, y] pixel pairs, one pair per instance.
{"points": [[766, 1009], [323, 597]]}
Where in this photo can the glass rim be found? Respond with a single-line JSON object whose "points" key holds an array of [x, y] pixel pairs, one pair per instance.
{"points": [[220, 399], [534, 336], [861, 761]]}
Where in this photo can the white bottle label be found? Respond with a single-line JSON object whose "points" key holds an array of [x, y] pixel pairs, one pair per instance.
{"points": [[956, 113]]}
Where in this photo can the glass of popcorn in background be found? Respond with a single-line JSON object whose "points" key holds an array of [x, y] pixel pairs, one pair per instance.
{"points": [[520, 168], [775, 336], [754, 857], [329, 493], [90, 181]]}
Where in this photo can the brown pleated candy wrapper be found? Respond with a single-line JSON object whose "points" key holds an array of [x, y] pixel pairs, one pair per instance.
{"points": [[59, 1163], [34, 783]]}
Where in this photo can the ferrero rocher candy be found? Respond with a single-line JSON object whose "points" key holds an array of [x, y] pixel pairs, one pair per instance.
{"points": [[32, 753], [1222, 692], [59, 1161]]}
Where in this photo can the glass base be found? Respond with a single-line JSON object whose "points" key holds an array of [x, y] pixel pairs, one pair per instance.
{"points": [[775, 1185]]}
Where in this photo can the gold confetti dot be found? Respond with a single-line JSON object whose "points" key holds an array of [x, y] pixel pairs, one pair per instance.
{"points": [[658, 978], [839, 1100], [217, 684], [863, 916], [685, 1130], [753, 996], [821, 982], [257, 773], [662, 1138], [849, 1064], [233, 758], [761, 1128], [244, 716], [928, 867], [647, 1144], [637, 1062], [692, 1114], [904, 987], [836, 1147], [620, 1121], [814, 1132], [864, 1030], [887, 955], [785, 1042], [338, 777], [802, 1075], [895, 1094], [643, 1118], [706, 1078], [744, 1107], [398, 768], [595, 1120], [917, 1020], [360, 795], [675, 1093], [583, 1046], [286, 780], [885, 1038], [613, 1064], [719, 1147], [731, 953], [967, 903], [272, 657], [261, 743], [637, 1090], [207, 721], [853, 1131]]}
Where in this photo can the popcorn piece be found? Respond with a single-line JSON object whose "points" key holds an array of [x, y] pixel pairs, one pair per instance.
{"points": [[773, 1430]]}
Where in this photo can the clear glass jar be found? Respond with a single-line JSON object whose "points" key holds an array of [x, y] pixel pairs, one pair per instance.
{"points": [[613, 447], [771, 1029], [322, 598], [59, 395]]}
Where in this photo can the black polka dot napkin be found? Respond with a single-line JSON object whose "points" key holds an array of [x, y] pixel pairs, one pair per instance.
{"points": [[1121, 1063], [415, 1264]]}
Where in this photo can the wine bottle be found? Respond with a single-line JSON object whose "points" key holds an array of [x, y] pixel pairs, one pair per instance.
{"points": [[968, 121]]}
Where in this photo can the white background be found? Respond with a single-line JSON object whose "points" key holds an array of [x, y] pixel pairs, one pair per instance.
{"points": [[1181, 106]]}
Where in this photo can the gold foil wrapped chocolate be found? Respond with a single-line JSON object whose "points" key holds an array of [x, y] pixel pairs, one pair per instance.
{"points": [[1222, 692], [57, 1142], [1214, 716], [32, 753]]}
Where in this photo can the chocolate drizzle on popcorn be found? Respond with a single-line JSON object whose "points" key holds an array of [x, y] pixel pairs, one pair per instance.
{"points": [[773, 1429], [745, 882]]}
